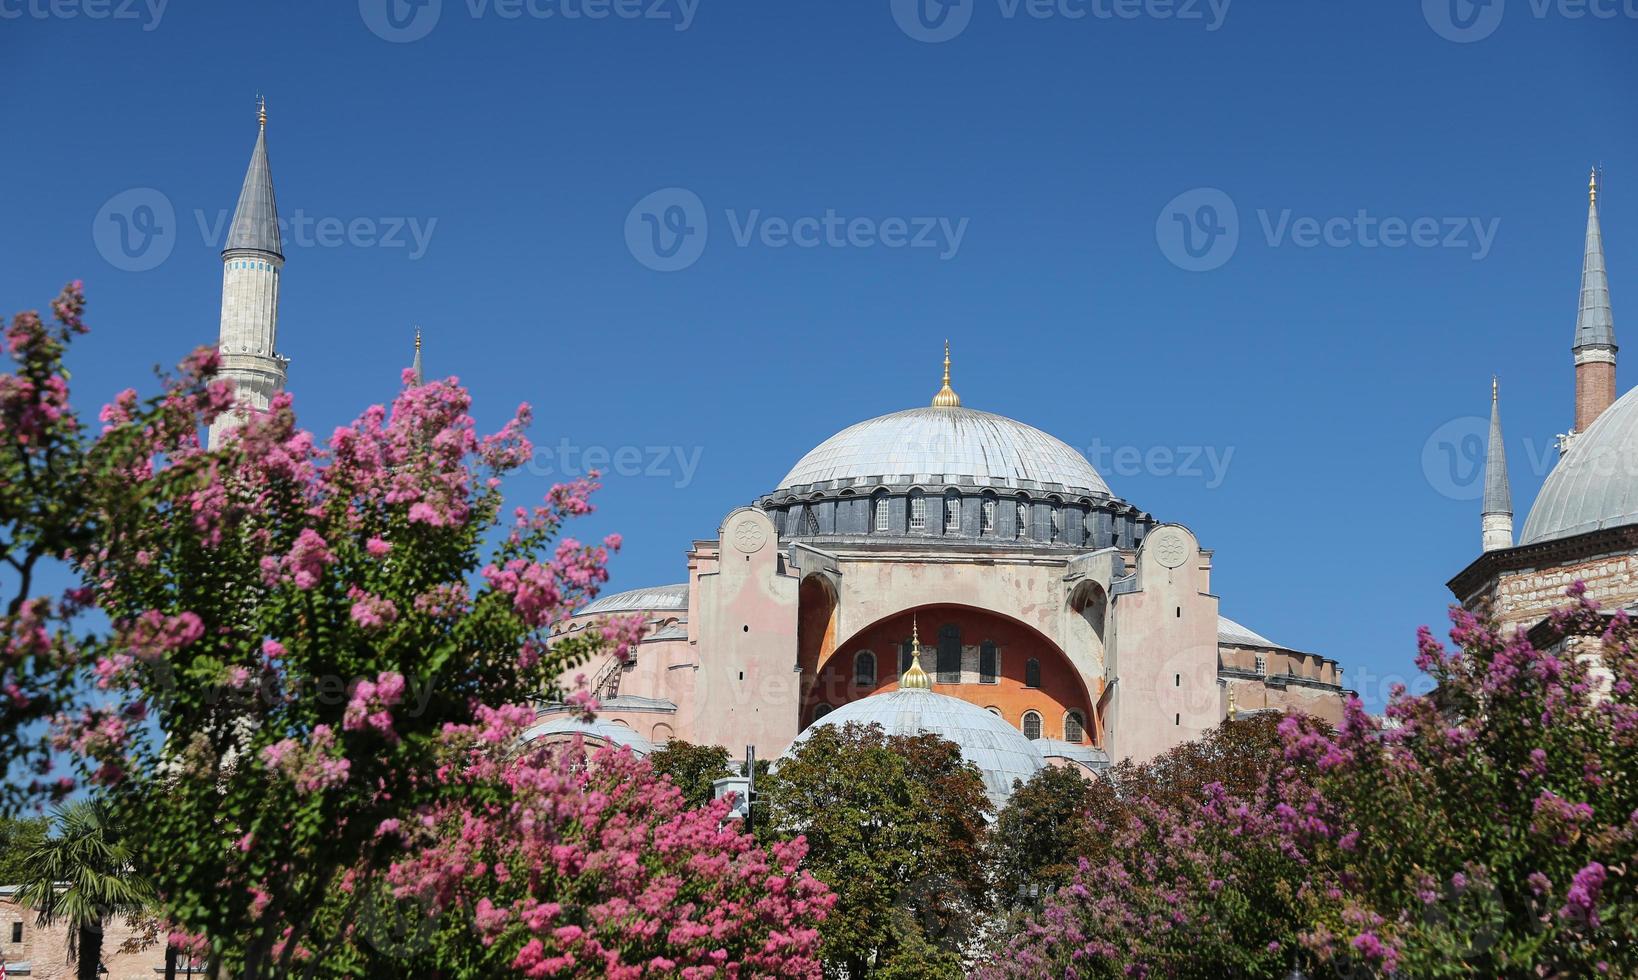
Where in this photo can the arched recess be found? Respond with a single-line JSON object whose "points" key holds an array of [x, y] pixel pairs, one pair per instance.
{"points": [[815, 628], [1062, 688], [1091, 603]]}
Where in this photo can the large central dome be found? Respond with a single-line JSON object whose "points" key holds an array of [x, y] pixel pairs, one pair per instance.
{"points": [[946, 444]]}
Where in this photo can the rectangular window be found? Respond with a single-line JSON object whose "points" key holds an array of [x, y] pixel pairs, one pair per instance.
{"points": [[988, 518], [17, 931], [918, 513], [881, 515], [952, 515], [988, 656], [1023, 519], [1262, 664], [949, 654]]}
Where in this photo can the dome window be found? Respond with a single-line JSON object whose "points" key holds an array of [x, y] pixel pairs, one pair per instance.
{"points": [[952, 513], [864, 669], [880, 505], [1023, 519], [986, 520], [1057, 525], [918, 512], [1032, 725], [1074, 727]]}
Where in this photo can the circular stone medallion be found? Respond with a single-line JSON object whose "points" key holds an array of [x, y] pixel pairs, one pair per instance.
{"points": [[749, 536], [1171, 549]]}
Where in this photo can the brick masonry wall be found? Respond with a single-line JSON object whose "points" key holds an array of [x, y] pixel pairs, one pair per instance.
{"points": [[46, 949], [1523, 598]]}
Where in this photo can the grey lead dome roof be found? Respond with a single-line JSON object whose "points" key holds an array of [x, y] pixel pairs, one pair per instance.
{"points": [[931, 444], [1000, 751], [1595, 485]]}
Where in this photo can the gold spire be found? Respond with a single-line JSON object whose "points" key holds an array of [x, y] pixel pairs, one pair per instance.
{"points": [[946, 397], [1592, 187], [261, 110], [915, 679], [1233, 710], [417, 338]]}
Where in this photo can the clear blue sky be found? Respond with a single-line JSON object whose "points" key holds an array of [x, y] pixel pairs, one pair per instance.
{"points": [[1060, 141]]}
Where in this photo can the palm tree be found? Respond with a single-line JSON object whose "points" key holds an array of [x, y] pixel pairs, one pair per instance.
{"points": [[81, 874]]}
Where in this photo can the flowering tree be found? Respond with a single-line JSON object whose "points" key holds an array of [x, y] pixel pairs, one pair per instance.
{"points": [[57, 489], [293, 629], [553, 865], [1487, 830]]}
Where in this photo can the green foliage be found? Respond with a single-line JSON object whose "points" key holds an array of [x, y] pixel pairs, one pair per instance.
{"points": [[17, 838], [1032, 846], [894, 825], [692, 768]]}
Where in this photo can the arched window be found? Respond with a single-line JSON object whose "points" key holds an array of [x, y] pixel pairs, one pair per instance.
{"points": [[660, 734], [1074, 728], [905, 653], [880, 504], [1032, 673], [864, 669], [952, 513], [992, 709], [949, 654], [918, 511], [1032, 725], [1057, 531], [986, 520], [1023, 518], [988, 658], [820, 710]]}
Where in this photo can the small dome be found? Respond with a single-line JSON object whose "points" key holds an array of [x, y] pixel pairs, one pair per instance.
{"points": [[1595, 485], [1000, 751], [930, 444], [598, 732]]}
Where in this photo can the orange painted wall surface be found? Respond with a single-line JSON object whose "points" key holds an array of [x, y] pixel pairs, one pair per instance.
{"points": [[1061, 687]]}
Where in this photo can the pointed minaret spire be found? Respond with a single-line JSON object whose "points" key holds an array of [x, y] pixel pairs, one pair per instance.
{"points": [[1498, 497], [946, 397], [416, 366], [251, 272], [1594, 325]]}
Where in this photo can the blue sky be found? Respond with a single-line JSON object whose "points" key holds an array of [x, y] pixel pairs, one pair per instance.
{"points": [[1005, 174]]}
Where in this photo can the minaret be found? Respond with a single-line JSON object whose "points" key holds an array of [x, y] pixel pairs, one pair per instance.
{"points": [[250, 290], [416, 366], [946, 397], [1594, 326], [1498, 498]]}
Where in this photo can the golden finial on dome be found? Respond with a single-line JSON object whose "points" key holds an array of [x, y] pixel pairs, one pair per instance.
{"points": [[261, 110], [1592, 186], [946, 397], [1233, 710], [915, 679], [417, 338]]}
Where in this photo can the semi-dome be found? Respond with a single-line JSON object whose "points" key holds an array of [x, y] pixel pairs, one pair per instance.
{"points": [[946, 444], [1000, 751], [1595, 485]]}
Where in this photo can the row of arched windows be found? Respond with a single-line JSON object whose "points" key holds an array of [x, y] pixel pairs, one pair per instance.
{"points": [[916, 516]]}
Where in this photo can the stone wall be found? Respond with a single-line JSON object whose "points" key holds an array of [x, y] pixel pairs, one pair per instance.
{"points": [[1526, 596], [45, 950]]}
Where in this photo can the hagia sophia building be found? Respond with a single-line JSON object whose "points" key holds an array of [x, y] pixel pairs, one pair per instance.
{"points": [[1056, 622]]}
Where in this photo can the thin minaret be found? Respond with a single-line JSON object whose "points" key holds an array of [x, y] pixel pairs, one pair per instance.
{"points": [[1594, 325], [251, 264], [416, 366], [1498, 497]]}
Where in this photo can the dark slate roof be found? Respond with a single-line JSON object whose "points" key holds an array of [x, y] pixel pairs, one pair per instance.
{"points": [[1498, 497], [1594, 323], [256, 220]]}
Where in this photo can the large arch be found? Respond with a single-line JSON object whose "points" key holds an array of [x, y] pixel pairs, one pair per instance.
{"points": [[833, 680], [815, 630]]}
